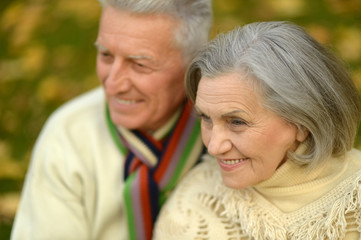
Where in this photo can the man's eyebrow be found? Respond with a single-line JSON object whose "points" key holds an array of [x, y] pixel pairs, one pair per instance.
{"points": [[140, 57], [132, 57], [100, 47]]}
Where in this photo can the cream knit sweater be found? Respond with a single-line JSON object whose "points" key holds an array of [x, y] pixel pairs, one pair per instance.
{"points": [[73, 189], [295, 203]]}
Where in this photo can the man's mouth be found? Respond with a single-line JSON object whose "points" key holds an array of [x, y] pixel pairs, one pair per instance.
{"points": [[126, 102]]}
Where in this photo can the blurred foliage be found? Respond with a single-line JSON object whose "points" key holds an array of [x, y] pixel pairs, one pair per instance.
{"points": [[47, 56]]}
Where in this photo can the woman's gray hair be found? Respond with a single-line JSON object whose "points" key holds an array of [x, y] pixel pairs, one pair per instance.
{"points": [[297, 78], [194, 17]]}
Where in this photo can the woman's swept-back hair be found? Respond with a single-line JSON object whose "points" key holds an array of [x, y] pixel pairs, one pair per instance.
{"points": [[194, 18], [296, 77]]}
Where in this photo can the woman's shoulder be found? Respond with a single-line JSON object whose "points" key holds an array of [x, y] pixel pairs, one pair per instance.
{"points": [[353, 166], [201, 178], [194, 206], [207, 169], [355, 154]]}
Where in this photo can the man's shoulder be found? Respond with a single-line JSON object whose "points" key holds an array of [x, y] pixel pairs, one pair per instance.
{"points": [[86, 102], [82, 109]]}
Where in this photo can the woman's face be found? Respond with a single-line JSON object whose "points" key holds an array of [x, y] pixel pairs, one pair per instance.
{"points": [[249, 141]]}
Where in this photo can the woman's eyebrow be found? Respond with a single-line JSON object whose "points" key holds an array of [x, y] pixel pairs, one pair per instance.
{"points": [[232, 113]]}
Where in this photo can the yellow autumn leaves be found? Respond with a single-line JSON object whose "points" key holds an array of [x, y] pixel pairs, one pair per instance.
{"points": [[47, 57]]}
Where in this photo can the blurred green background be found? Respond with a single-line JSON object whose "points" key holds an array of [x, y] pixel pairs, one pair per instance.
{"points": [[47, 56]]}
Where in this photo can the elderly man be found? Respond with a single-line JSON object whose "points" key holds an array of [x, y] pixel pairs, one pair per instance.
{"points": [[106, 161]]}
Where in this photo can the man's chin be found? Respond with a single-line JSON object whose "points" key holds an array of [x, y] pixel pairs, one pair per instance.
{"points": [[129, 122]]}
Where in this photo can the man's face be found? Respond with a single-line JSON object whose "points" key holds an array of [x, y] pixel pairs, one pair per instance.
{"points": [[140, 68]]}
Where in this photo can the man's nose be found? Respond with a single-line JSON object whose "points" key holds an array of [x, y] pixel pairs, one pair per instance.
{"points": [[118, 78], [219, 142]]}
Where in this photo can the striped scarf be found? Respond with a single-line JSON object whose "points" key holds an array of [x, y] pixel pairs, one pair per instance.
{"points": [[153, 167]]}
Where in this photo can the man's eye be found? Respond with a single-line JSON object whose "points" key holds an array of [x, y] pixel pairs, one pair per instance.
{"points": [[141, 68], [105, 56]]}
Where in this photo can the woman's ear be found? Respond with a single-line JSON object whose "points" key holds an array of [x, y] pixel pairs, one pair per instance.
{"points": [[302, 134]]}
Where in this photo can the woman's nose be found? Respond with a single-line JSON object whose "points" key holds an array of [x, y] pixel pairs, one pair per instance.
{"points": [[219, 142]]}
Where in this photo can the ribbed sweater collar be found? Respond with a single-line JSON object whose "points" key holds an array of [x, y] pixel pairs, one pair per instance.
{"points": [[303, 184]]}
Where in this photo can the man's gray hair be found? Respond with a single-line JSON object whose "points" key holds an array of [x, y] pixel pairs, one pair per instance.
{"points": [[296, 77], [194, 17]]}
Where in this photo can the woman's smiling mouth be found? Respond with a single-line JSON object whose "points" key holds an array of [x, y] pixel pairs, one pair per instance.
{"points": [[230, 164]]}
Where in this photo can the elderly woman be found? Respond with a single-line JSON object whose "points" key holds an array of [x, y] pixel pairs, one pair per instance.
{"points": [[279, 115]]}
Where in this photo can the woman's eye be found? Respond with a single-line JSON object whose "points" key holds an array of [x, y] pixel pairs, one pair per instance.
{"points": [[204, 118], [206, 121], [237, 122]]}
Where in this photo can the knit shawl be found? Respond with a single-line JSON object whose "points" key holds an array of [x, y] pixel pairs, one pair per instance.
{"points": [[329, 199]]}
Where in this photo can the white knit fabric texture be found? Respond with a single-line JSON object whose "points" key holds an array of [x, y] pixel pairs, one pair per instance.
{"points": [[212, 211]]}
